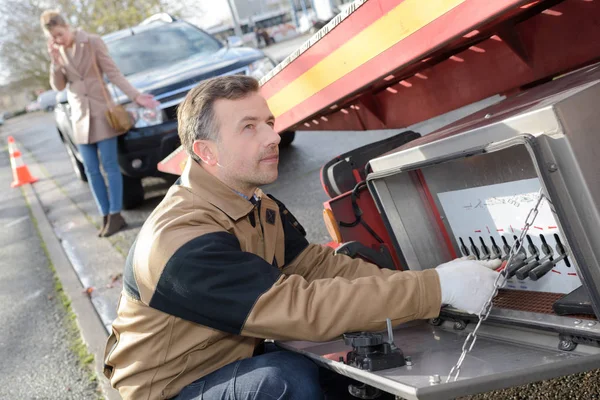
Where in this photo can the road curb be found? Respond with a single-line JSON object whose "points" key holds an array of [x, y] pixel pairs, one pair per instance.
{"points": [[92, 329], [98, 264]]}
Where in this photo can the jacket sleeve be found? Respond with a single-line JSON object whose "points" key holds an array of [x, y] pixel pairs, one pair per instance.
{"points": [[321, 262], [211, 281], [108, 66], [58, 79]]}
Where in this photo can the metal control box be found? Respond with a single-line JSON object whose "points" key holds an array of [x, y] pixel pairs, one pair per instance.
{"points": [[467, 190]]}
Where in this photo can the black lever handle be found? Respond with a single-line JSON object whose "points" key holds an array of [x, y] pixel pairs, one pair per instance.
{"points": [[496, 252], [486, 254], [518, 261], [543, 269], [524, 272], [532, 247], [507, 249], [474, 248], [463, 248]]}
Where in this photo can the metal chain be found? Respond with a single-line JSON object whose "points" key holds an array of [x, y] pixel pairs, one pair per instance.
{"points": [[498, 283]]}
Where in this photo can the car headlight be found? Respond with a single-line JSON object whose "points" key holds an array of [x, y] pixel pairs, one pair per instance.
{"points": [[261, 67], [145, 117]]}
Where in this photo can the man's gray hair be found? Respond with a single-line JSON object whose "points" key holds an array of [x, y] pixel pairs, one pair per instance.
{"points": [[195, 115]]}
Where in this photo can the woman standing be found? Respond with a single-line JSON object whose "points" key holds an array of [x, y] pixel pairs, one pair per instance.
{"points": [[73, 54]]}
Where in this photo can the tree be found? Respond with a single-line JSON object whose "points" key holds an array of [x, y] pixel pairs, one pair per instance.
{"points": [[23, 49]]}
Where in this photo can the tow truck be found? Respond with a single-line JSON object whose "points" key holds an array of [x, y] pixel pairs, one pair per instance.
{"points": [[512, 173]]}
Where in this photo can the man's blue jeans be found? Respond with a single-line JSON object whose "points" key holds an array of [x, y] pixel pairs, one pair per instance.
{"points": [[275, 375], [110, 201]]}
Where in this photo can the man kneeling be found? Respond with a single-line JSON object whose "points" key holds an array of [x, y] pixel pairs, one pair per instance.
{"points": [[219, 266]]}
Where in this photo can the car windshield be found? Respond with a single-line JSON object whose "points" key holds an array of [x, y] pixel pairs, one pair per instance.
{"points": [[159, 46]]}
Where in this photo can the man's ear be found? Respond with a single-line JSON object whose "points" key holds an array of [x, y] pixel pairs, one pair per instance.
{"points": [[204, 150]]}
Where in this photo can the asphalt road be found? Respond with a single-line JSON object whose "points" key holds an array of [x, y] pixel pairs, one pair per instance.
{"points": [[37, 362], [279, 51]]}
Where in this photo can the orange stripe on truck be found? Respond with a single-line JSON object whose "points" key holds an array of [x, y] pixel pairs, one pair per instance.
{"points": [[402, 21]]}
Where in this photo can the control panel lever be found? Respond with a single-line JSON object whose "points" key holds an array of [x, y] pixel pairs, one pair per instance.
{"points": [[390, 332], [518, 262], [543, 269], [524, 272]]}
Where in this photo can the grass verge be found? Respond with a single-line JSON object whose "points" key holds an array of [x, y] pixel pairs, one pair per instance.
{"points": [[76, 343]]}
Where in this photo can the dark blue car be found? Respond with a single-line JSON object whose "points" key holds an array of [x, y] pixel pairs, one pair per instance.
{"points": [[165, 57]]}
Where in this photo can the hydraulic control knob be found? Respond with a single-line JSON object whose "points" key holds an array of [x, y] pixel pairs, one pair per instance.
{"points": [[518, 261], [524, 272], [543, 269], [363, 339]]}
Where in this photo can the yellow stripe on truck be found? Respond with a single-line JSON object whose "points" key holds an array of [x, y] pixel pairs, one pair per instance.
{"points": [[404, 20]]}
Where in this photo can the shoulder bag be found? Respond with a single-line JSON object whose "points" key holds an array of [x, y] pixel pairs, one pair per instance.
{"points": [[118, 118]]}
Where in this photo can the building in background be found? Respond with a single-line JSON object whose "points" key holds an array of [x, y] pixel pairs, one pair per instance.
{"points": [[256, 8], [264, 22]]}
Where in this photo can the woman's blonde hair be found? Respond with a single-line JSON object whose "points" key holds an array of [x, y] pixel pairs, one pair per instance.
{"points": [[50, 19]]}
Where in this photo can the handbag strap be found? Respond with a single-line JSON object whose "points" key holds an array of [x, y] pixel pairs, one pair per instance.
{"points": [[95, 64]]}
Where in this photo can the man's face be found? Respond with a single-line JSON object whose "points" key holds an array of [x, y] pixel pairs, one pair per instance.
{"points": [[247, 149]]}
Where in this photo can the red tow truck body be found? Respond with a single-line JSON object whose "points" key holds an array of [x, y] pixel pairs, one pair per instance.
{"points": [[390, 64]]}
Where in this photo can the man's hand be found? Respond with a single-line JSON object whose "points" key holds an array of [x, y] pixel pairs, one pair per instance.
{"points": [[467, 284]]}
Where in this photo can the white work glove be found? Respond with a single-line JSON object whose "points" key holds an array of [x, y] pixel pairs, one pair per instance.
{"points": [[491, 264], [467, 284]]}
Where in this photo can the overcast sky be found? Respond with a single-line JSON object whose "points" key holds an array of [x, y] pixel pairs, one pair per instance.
{"points": [[213, 12]]}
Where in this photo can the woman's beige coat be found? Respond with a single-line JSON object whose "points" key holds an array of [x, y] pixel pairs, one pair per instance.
{"points": [[85, 95]]}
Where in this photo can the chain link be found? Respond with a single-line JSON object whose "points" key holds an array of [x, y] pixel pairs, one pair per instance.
{"points": [[484, 313]]}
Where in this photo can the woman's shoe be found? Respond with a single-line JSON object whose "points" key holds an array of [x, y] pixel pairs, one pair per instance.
{"points": [[114, 225], [104, 222]]}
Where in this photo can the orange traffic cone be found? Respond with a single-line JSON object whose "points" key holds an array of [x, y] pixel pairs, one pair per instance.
{"points": [[21, 173], [12, 147]]}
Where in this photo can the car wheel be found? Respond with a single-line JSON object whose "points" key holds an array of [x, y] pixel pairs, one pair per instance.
{"points": [[133, 192], [77, 165], [287, 138]]}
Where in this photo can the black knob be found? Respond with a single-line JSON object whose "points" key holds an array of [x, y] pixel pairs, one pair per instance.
{"points": [[543, 269], [363, 339], [524, 271], [517, 262]]}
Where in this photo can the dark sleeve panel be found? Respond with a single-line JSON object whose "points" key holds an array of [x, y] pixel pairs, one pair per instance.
{"points": [[295, 240], [212, 282]]}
